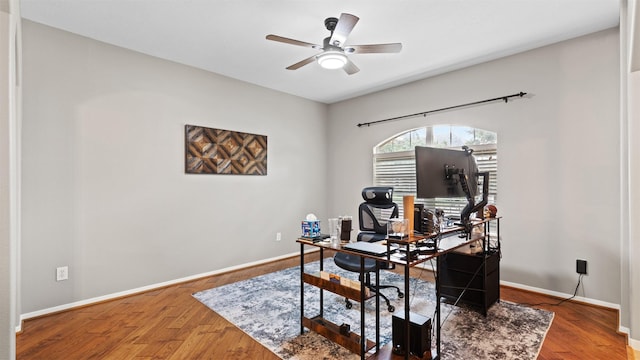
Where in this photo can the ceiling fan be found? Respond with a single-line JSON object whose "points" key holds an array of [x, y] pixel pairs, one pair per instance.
{"points": [[334, 51]]}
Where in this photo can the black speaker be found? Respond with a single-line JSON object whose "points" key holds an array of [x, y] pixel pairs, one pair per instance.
{"points": [[420, 334], [418, 218]]}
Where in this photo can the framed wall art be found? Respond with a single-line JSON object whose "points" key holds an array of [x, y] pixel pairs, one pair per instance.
{"points": [[217, 151]]}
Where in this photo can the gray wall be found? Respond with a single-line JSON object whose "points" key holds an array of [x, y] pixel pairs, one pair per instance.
{"points": [[559, 154], [104, 188]]}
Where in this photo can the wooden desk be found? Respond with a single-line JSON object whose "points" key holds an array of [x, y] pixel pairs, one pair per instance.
{"points": [[352, 341]]}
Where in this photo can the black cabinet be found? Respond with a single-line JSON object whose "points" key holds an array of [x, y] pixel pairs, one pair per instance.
{"points": [[479, 274]]}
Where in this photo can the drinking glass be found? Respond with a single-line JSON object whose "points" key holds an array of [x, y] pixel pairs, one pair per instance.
{"points": [[333, 229]]}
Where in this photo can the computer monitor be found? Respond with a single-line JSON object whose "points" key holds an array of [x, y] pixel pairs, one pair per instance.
{"points": [[438, 172], [447, 173]]}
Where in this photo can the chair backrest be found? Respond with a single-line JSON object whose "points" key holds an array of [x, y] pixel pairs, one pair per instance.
{"points": [[377, 209]]}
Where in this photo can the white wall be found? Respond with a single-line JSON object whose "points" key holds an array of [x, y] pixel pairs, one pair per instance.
{"points": [[634, 208], [104, 188], [9, 173], [559, 153], [5, 248]]}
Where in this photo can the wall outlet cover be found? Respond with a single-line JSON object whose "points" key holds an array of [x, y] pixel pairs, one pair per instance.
{"points": [[581, 266], [62, 273]]}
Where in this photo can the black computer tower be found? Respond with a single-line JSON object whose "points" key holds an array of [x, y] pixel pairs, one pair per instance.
{"points": [[420, 334]]}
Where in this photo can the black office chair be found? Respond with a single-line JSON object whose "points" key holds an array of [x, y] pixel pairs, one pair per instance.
{"points": [[372, 216]]}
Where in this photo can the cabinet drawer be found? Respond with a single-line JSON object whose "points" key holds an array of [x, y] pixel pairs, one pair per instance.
{"points": [[470, 263], [459, 271]]}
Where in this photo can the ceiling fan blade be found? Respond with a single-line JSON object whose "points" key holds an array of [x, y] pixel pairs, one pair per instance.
{"points": [[374, 48], [292, 41], [343, 29], [350, 68], [302, 63]]}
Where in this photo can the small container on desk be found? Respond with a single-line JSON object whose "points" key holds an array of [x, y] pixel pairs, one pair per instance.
{"points": [[398, 229]]}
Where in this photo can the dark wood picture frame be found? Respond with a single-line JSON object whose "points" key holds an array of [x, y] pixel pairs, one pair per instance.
{"points": [[218, 151]]}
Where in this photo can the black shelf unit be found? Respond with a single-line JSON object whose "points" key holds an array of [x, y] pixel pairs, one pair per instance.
{"points": [[472, 279]]}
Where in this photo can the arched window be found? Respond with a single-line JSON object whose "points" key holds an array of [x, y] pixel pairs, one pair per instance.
{"points": [[394, 160]]}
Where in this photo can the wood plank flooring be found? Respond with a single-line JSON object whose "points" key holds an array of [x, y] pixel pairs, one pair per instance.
{"points": [[169, 323]]}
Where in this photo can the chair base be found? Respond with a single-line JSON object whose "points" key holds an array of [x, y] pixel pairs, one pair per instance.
{"points": [[352, 263], [374, 289]]}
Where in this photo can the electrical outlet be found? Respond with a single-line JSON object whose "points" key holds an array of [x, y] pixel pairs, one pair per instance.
{"points": [[581, 266], [62, 273], [278, 236]]}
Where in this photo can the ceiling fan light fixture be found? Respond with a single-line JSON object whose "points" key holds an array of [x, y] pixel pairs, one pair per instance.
{"points": [[332, 59]]}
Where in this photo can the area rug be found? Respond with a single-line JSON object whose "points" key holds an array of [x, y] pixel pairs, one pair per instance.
{"points": [[268, 309]]}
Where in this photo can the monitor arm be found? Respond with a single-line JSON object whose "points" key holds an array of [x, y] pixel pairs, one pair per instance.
{"points": [[471, 205]]}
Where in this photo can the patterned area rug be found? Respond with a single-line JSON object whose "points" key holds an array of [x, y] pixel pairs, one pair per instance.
{"points": [[268, 309]]}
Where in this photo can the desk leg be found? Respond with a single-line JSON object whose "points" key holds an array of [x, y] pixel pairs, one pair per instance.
{"points": [[498, 236], [301, 287], [363, 339], [321, 289], [407, 319], [377, 308], [486, 239], [437, 319]]}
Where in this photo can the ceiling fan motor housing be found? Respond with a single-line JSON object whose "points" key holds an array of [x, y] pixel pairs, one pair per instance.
{"points": [[330, 23]]}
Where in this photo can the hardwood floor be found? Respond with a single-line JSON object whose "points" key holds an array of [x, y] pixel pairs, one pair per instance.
{"points": [[169, 323]]}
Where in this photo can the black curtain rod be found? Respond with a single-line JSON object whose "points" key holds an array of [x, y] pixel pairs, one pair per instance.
{"points": [[424, 113]]}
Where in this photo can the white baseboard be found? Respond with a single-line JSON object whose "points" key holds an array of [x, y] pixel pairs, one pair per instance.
{"points": [[635, 344], [107, 297], [562, 295], [624, 330], [547, 292], [621, 329], [429, 267]]}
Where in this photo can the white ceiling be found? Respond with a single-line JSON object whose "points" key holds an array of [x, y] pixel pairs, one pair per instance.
{"points": [[228, 37]]}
